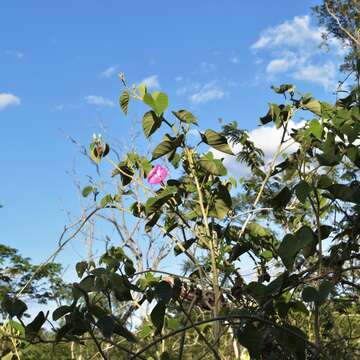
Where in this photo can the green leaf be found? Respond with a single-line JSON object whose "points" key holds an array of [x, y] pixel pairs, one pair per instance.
{"points": [[316, 128], [267, 255], [284, 88], [129, 267], [166, 356], [13, 306], [281, 199], [185, 116], [251, 338], [272, 114], [34, 327], [186, 245], [16, 327], [313, 105], [61, 311], [292, 344], [120, 285], [81, 267], [142, 89], [346, 193], [309, 294], [156, 202], [158, 101], [302, 191], [211, 165], [292, 244], [124, 101], [150, 123], [87, 190], [152, 221], [107, 199], [161, 101], [167, 146], [217, 141], [222, 202], [157, 317], [106, 325], [163, 291], [126, 173]]}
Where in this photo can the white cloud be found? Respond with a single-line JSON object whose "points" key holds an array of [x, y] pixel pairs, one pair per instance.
{"points": [[206, 93], [294, 47], [15, 53], [267, 138], [294, 33], [234, 60], [110, 71], [8, 100], [324, 74], [287, 61], [151, 81], [99, 101]]}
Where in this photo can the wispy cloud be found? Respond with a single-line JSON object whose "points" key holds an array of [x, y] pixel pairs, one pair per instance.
{"points": [[14, 53], [206, 93], [324, 75], [110, 71], [297, 32], [198, 93], [151, 81], [294, 47], [7, 100], [99, 101], [234, 59]]}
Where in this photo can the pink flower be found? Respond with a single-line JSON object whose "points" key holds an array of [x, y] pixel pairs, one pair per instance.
{"points": [[157, 175]]}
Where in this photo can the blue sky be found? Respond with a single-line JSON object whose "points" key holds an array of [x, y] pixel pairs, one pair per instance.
{"points": [[58, 77]]}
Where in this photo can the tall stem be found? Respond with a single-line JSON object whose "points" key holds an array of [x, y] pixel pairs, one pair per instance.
{"points": [[211, 245]]}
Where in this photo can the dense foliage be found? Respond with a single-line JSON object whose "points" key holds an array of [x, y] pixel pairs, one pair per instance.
{"points": [[295, 218]]}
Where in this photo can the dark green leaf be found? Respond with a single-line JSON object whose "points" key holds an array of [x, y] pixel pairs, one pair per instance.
{"points": [[292, 244], [14, 307], [309, 294], [163, 291], [251, 338], [34, 327], [282, 198], [157, 317], [166, 147], [217, 141], [211, 165], [185, 116], [81, 267], [150, 123], [106, 325], [124, 101], [302, 191], [61, 311]]}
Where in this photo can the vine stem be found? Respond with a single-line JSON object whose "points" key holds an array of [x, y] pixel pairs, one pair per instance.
{"points": [[211, 245], [263, 184]]}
